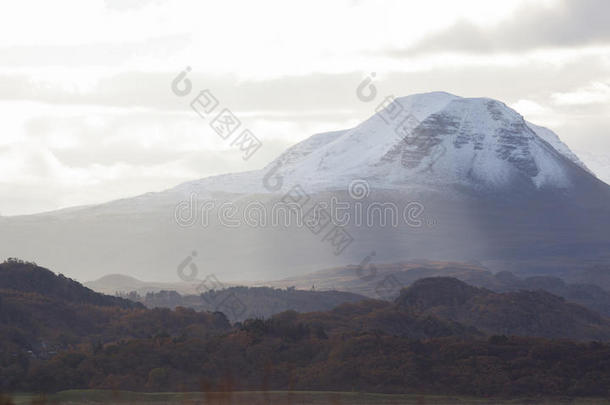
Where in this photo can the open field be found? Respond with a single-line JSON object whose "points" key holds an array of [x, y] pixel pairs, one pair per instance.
{"points": [[77, 397]]}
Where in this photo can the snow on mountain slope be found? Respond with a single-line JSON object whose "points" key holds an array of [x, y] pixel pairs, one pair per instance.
{"points": [[598, 163], [452, 141], [553, 139], [306, 147], [421, 106], [354, 152]]}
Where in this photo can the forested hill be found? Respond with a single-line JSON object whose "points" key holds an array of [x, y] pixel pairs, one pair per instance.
{"points": [[522, 313], [42, 314], [26, 277], [440, 336]]}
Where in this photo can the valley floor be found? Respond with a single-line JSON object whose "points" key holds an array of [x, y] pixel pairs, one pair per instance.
{"points": [[77, 397]]}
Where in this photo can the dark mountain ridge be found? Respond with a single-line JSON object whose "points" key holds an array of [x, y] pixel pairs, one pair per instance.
{"points": [[44, 313], [522, 313], [27, 277], [350, 278]]}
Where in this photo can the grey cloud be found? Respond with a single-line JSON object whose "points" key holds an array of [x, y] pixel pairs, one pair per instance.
{"points": [[317, 97], [317, 93], [571, 23], [96, 54], [313, 96], [176, 140], [92, 146], [324, 99]]}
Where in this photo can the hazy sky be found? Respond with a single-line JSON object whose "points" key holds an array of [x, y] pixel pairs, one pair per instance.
{"points": [[88, 114]]}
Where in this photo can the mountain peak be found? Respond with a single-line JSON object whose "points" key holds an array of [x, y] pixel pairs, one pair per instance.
{"points": [[435, 139], [421, 141]]}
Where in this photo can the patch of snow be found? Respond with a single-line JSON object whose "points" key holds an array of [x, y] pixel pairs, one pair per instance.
{"points": [[553, 139]]}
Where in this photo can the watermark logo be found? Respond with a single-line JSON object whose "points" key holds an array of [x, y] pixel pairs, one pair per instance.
{"points": [[359, 189], [181, 86], [366, 90], [272, 180], [388, 287], [366, 270], [297, 208], [188, 263], [204, 103], [184, 214]]}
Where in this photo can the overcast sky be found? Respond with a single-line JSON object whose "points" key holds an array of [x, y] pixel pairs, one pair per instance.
{"points": [[88, 114]]}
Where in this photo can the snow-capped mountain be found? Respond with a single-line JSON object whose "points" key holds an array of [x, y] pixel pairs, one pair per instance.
{"points": [[431, 139], [484, 184]]}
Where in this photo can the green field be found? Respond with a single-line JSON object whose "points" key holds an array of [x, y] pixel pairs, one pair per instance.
{"points": [[272, 397]]}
